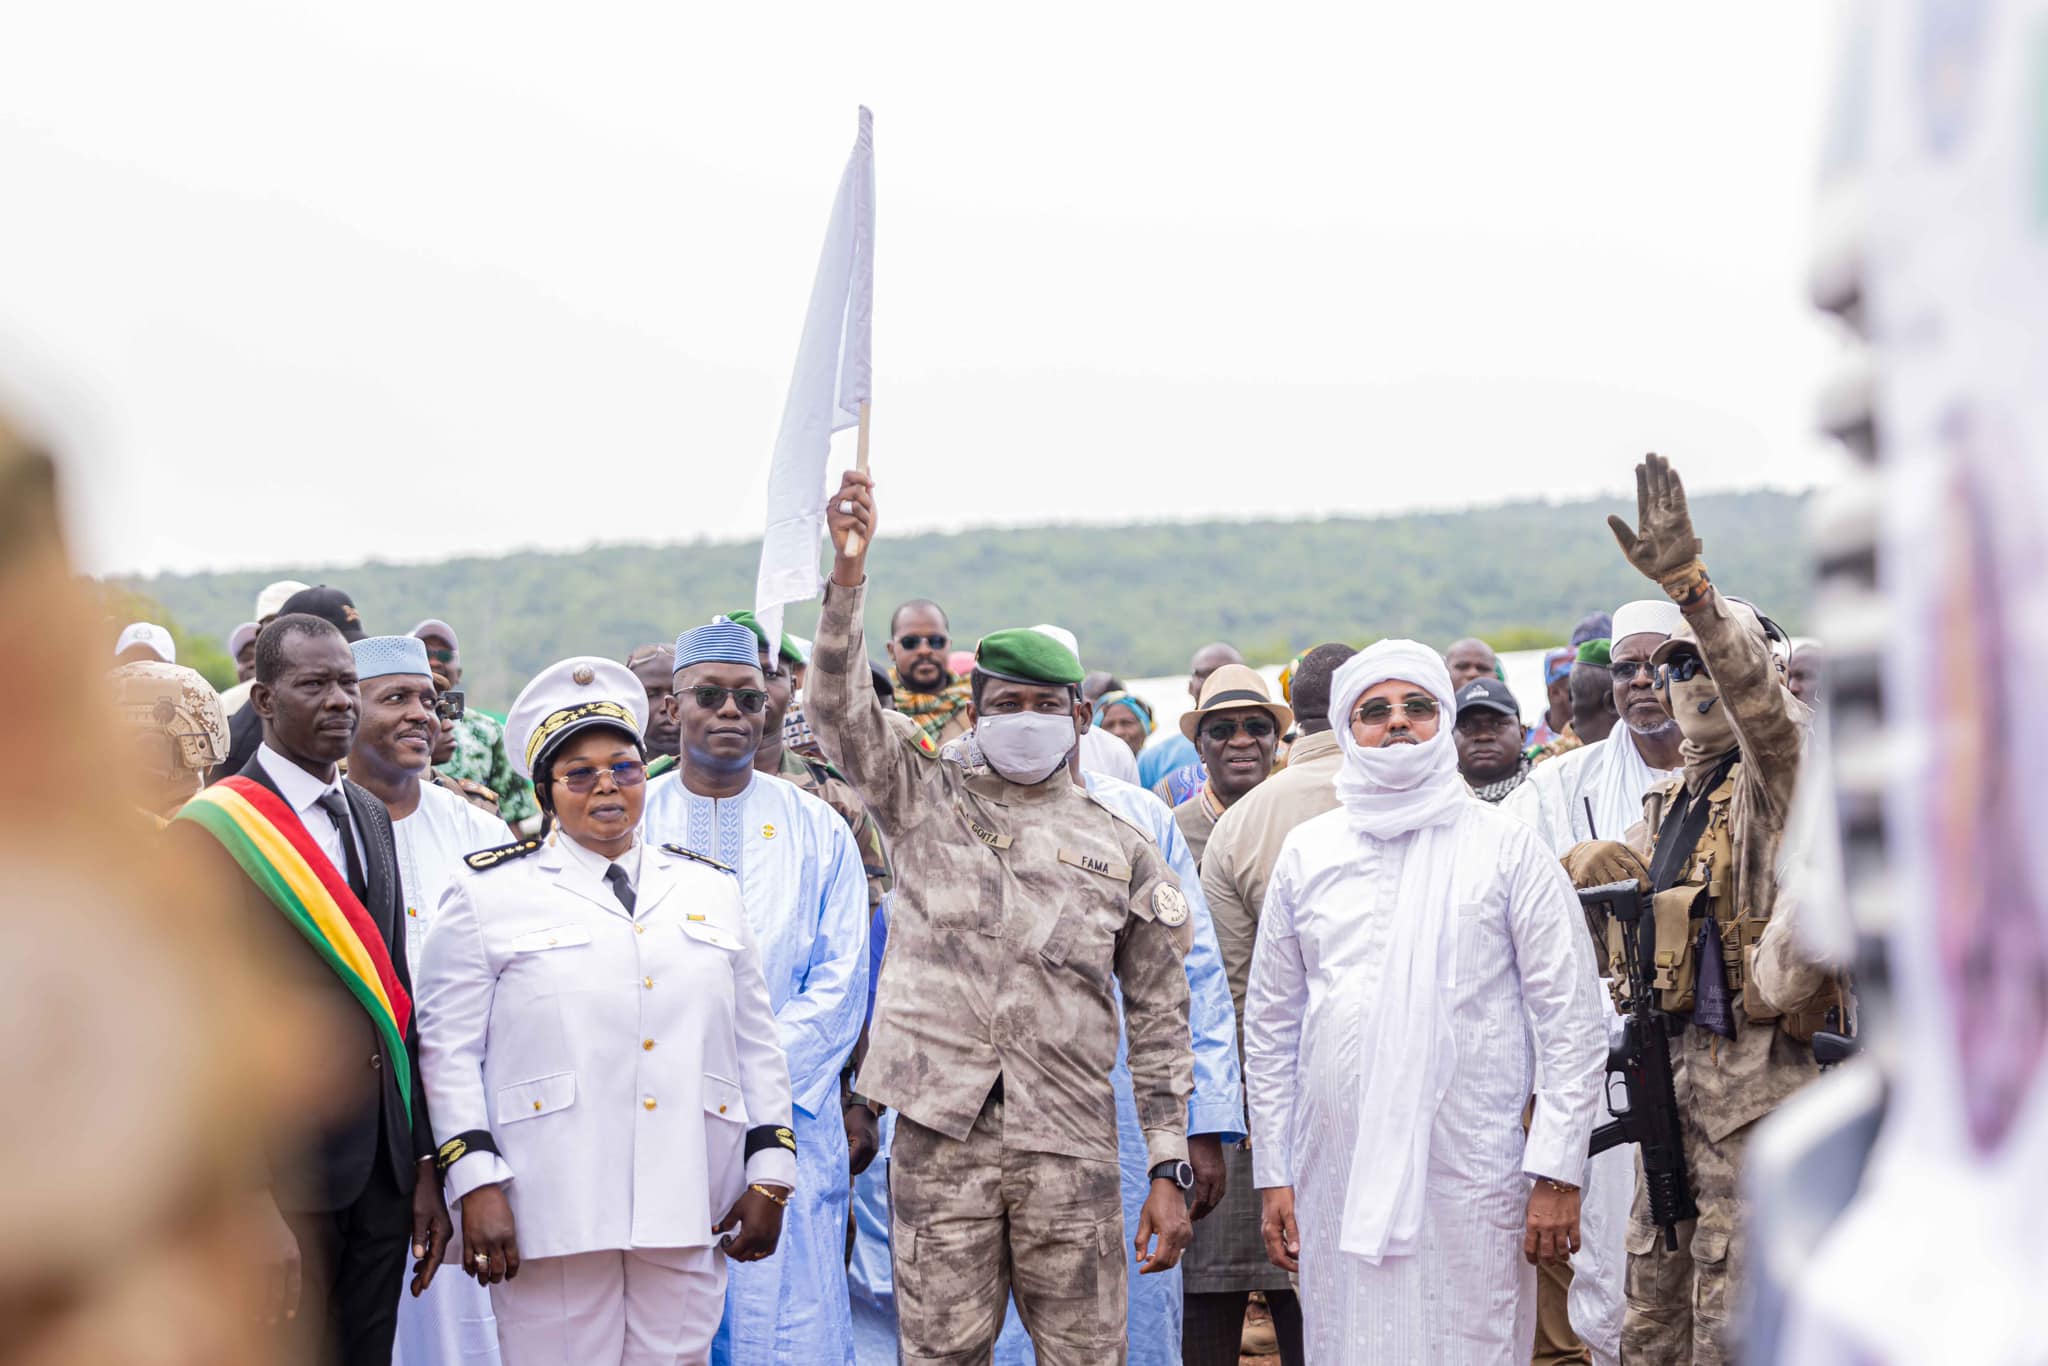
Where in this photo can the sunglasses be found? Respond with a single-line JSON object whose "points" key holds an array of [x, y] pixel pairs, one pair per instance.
{"points": [[937, 641], [1258, 727], [1625, 671], [1379, 711], [449, 706], [583, 778], [1683, 668], [711, 697], [441, 656]]}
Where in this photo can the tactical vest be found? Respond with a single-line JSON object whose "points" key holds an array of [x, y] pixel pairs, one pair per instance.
{"points": [[1703, 889]]}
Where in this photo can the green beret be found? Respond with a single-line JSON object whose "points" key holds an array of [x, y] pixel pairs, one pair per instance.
{"points": [[746, 619], [1022, 655], [1594, 652]]}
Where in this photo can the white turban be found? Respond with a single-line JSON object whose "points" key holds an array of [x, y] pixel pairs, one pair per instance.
{"points": [[1402, 787], [1411, 791]]}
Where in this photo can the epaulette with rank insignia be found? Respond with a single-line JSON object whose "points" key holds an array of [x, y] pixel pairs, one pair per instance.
{"points": [[503, 853], [704, 859]]}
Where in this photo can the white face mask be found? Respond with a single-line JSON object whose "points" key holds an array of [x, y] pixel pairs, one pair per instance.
{"points": [[1028, 746]]}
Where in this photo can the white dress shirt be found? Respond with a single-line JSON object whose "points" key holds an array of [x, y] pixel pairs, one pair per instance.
{"points": [[302, 793]]}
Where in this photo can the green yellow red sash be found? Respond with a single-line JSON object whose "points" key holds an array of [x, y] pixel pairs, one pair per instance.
{"points": [[272, 846]]}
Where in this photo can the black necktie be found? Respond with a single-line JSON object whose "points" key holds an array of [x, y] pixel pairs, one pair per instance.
{"points": [[621, 887], [336, 807]]}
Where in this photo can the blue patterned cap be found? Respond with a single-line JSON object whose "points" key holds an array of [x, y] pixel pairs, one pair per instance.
{"points": [[720, 641], [377, 656]]}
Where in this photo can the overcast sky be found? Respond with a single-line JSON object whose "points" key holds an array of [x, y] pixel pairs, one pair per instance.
{"points": [[297, 284]]}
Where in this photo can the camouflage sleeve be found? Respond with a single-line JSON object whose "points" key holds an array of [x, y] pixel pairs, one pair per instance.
{"points": [[516, 801], [1151, 969], [889, 771], [1769, 721], [867, 836]]}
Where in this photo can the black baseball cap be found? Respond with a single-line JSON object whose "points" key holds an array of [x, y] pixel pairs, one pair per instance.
{"points": [[328, 604], [1490, 694]]}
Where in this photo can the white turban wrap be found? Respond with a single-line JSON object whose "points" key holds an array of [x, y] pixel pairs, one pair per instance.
{"points": [[1389, 794]]}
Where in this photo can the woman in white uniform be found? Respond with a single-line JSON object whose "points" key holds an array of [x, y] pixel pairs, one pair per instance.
{"points": [[612, 1106]]}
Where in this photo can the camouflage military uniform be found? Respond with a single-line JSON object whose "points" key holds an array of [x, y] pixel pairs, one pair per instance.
{"points": [[817, 777], [1679, 1302], [1017, 914]]}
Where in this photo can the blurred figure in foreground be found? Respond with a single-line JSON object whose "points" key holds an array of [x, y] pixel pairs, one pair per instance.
{"points": [[120, 1250]]}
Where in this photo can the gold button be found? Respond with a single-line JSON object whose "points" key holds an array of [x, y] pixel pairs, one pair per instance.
{"points": [[639, 929], [647, 1045], [553, 940], [721, 1109], [649, 1102], [536, 1105], [647, 982]]}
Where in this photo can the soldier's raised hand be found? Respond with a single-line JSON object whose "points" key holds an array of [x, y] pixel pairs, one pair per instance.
{"points": [[1662, 544], [851, 509]]}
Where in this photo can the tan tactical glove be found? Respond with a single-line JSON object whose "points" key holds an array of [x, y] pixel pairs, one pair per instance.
{"points": [[1595, 863], [1663, 547]]}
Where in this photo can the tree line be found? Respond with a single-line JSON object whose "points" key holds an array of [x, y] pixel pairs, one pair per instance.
{"points": [[1141, 597]]}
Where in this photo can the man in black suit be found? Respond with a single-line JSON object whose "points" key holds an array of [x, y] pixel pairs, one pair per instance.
{"points": [[363, 1186], [245, 726]]}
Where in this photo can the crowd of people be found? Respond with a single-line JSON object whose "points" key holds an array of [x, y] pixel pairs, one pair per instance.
{"points": [[758, 1000]]}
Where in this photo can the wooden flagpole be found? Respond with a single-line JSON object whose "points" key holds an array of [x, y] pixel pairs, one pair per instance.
{"points": [[854, 543]]}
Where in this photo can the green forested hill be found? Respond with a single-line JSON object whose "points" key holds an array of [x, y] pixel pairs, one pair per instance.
{"points": [[1140, 598]]}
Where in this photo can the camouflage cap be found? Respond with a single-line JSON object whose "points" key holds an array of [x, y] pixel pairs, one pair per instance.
{"points": [[1027, 655], [174, 701]]}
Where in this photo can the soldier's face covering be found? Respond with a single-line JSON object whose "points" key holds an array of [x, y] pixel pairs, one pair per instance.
{"points": [[1702, 719], [1026, 747]]}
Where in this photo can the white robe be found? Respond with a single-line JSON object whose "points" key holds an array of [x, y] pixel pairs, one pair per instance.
{"points": [[1612, 775], [1524, 963], [450, 1325]]}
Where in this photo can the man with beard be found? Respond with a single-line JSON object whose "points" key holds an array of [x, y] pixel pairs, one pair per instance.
{"points": [[1593, 791], [926, 690], [1596, 791], [1489, 740], [432, 829], [1708, 851], [1022, 906], [1235, 728], [655, 666], [317, 855], [806, 896]]}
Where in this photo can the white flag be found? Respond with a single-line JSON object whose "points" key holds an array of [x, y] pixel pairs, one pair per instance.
{"points": [[831, 382]]}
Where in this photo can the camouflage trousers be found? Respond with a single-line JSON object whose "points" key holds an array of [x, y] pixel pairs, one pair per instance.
{"points": [[972, 1221], [1679, 1302]]}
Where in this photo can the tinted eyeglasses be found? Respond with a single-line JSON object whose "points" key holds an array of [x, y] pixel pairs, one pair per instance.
{"points": [[711, 697], [1258, 727], [1684, 667], [441, 656], [937, 641], [583, 778], [1625, 670], [1379, 710], [449, 706]]}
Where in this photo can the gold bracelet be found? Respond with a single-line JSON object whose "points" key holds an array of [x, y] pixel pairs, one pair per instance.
{"points": [[779, 1197], [1558, 1186]]}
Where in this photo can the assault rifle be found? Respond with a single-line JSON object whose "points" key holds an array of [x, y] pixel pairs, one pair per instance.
{"points": [[1641, 1063]]}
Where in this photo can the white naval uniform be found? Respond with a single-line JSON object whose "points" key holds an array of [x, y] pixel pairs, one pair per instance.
{"points": [[618, 1060]]}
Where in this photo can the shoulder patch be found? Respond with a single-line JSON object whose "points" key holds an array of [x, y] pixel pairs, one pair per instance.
{"points": [[503, 853], [696, 857]]}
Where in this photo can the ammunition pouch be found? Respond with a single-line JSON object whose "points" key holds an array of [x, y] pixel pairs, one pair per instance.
{"points": [[1827, 1009], [1673, 973]]}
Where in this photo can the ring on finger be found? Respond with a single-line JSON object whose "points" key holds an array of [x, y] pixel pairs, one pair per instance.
{"points": [[846, 507]]}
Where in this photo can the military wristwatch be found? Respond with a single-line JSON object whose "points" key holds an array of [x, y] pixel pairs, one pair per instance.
{"points": [[1178, 1172]]}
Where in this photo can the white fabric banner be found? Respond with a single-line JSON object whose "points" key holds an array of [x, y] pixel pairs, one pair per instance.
{"points": [[832, 379]]}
